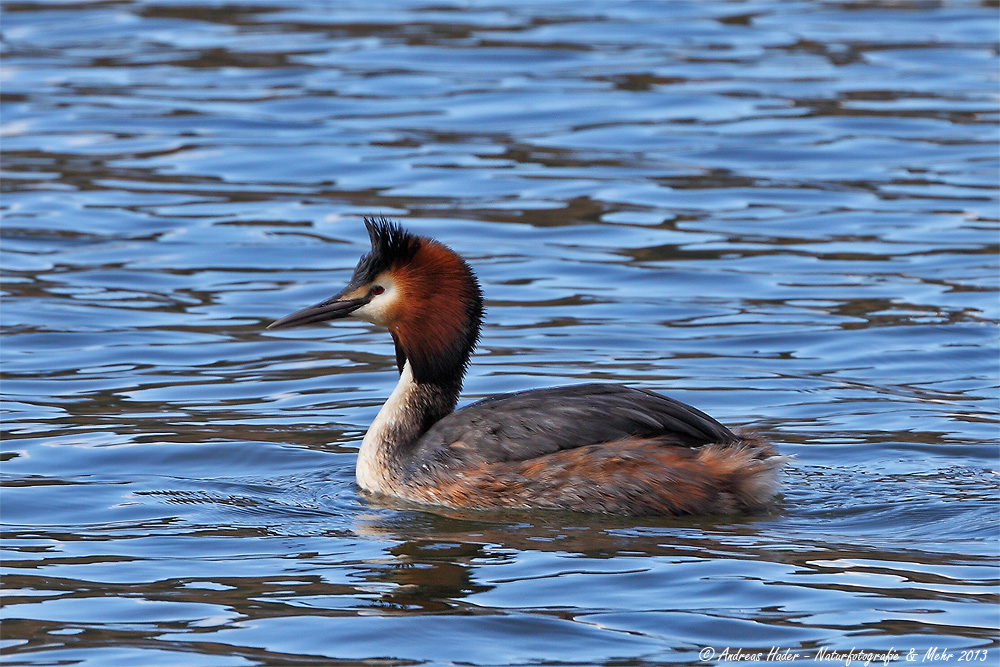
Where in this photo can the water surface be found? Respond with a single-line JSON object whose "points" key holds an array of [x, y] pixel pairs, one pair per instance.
{"points": [[784, 213]]}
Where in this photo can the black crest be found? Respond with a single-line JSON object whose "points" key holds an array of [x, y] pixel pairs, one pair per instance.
{"points": [[391, 244]]}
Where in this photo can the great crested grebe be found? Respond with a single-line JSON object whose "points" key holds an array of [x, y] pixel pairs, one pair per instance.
{"points": [[599, 448]]}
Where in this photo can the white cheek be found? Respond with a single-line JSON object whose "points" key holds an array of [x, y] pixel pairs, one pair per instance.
{"points": [[379, 309]]}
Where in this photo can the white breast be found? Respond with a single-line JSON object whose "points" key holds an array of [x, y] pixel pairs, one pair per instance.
{"points": [[373, 471]]}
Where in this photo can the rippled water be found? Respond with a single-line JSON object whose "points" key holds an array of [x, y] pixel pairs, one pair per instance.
{"points": [[784, 213]]}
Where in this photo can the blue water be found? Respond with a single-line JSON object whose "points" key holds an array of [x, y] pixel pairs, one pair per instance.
{"points": [[784, 213]]}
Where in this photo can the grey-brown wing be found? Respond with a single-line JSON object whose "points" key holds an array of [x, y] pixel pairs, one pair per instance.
{"points": [[521, 426]]}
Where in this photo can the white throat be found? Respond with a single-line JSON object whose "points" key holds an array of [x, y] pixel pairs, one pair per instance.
{"points": [[374, 469]]}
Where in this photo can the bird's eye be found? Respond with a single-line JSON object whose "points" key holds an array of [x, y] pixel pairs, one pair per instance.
{"points": [[376, 290]]}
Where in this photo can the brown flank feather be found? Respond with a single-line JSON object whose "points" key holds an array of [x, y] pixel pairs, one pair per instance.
{"points": [[638, 477]]}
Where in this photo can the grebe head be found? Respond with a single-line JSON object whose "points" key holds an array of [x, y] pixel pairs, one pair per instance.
{"points": [[419, 289]]}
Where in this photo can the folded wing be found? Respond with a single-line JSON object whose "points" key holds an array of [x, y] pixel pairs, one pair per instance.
{"points": [[525, 425]]}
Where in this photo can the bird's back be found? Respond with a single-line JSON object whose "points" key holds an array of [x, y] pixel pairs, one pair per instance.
{"points": [[526, 425]]}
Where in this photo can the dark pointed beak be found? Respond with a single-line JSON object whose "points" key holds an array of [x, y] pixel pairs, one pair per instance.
{"points": [[333, 308]]}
